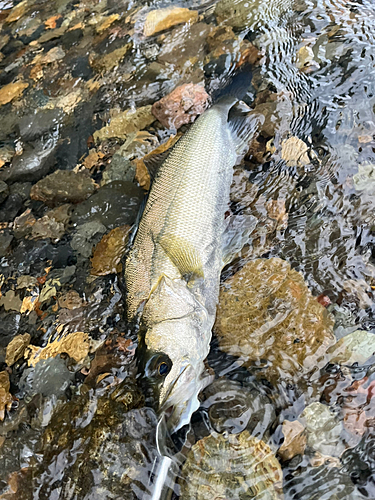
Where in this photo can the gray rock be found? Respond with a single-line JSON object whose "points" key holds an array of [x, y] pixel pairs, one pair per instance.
{"points": [[113, 205], [4, 191]]}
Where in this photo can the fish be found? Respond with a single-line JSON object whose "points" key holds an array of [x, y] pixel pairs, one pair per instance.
{"points": [[182, 243]]}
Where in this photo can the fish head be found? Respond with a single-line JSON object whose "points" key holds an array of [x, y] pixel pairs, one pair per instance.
{"points": [[176, 343]]}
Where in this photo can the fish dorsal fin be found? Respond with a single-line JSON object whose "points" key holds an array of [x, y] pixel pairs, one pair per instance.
{"points": [[243, 123], [154, 159], [183, 255], [153, 163]]}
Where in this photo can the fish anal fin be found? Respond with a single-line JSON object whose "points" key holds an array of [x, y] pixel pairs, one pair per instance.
{"points": [[183, 255]]}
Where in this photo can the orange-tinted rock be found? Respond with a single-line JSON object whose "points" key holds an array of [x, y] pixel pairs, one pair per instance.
{"points": [[109, 251], [162, 19], [181, 106], [11, 91], [266, 314]]}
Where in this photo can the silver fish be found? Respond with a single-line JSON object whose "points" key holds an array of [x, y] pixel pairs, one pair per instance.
{"points": [[172, 272]]}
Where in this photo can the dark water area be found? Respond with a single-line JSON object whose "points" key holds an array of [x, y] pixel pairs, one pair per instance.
{"points": [[290, 413]]}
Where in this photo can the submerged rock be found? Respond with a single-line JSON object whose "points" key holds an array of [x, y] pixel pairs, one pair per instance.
{"points": [[323, 429], [12, 91], [5, 396], [63, 186], [34, 162], [294, 440], [359, 462], [125, 123], [16, 348], [181, 106], [267, 315], [109, 251], [357, 347], [232, 467], [83, 240], [4, 191], [234, 408], [294, 152], [114, 204], [76, 345], [249, 14], [162, 19]]}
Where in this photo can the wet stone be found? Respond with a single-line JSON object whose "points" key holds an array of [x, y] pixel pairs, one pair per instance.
{"points": [[323, 429], [4, 191], [5, 242], [114, 204], [84, 238], [181, 106], [63, 186], [231, 467], [34, 162], [16, 348], [234, 408], [162, 19], [109, 251], [125, 123], [267, 316]]}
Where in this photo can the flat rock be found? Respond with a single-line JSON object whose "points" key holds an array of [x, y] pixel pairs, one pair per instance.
{"points": [[266, 314], [181, 106], [63, 186], [125, 123], [162, 19], [357, 347], [12, 91], [109, 251]]}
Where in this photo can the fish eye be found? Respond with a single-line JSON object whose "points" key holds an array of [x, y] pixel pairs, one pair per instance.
{"points": [[158, 366], [163, 368]]}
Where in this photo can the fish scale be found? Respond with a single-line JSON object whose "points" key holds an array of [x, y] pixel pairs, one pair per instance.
{"points": [[187, 201]]}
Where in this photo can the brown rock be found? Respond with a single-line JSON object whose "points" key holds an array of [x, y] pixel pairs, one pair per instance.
{"points": [[125, 123], [23, 225], [266, 313], [181, 106], [76, 345], [295, 152], [162, 19], [109, 251], [5, 397], [11, 91], [16, 348], [18, 11], [294, 440], [71, 300], [47, 228], [63, 186], [108, 62]]}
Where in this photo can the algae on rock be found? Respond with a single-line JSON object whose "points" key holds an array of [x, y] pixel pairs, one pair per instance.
{"points": [[266, 314], [232, 467]]}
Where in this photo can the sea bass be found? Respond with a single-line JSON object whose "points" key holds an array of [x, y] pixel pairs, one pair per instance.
{"points": [[173, 269]]}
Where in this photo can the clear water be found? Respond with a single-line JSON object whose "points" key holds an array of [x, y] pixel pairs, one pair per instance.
{"points": [[83, 430]]}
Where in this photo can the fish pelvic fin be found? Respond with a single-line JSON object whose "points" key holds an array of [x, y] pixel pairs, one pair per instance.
{"points": [[183, 255]]}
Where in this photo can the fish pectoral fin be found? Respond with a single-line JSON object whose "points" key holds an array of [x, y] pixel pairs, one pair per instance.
{"points": [[183, 255]]}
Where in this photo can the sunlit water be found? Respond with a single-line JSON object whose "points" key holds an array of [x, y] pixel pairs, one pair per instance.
{"points": [[78, 427]]}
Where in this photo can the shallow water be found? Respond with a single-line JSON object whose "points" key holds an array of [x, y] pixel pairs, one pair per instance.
{"points": [[74, 422]]}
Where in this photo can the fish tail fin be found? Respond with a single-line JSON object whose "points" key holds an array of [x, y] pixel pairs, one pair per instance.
{"points": [[236, 87]]}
